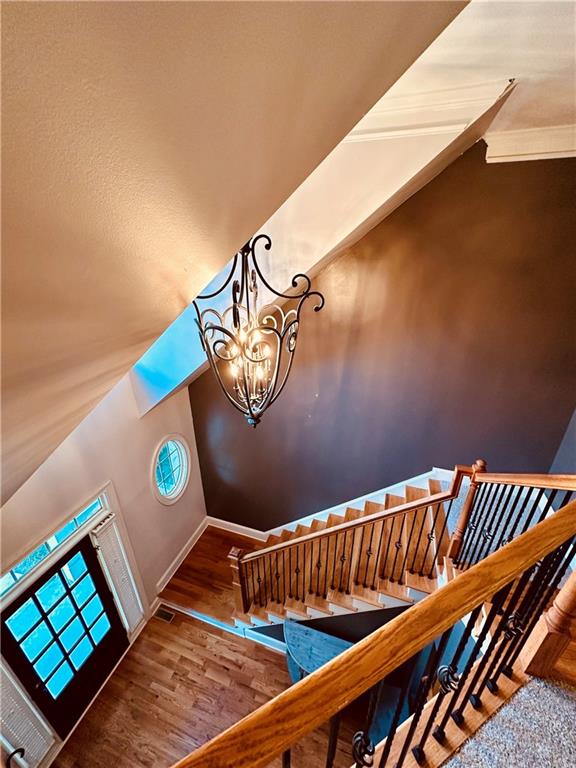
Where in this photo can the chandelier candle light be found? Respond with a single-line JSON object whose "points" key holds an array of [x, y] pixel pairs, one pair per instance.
{"points": [[251, 348]]}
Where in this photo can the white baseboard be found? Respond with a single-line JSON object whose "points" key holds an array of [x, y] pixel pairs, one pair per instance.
{"points": [[243, 530], [180, 557], [153, 607]]}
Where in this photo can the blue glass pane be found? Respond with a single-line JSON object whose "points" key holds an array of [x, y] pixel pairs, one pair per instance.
{"points": [[23, 619], [83, 590], [6, 582], [81, 652], [89, 512], [74, 568], [92, 610], [100, 628], [62, 614], [169, 485], [60, 680], [165, 464], [33, 559], [50, 592], [63, 533], [48, 661], [72, 634], [163, 455], [36, 641]]}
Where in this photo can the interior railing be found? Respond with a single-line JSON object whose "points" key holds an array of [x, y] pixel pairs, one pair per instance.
{"points": [[464, 639], [381, 549], [503, 507], [384, 545]]}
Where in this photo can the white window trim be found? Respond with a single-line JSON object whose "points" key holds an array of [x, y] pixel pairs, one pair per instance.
{"points": [[23, 583], [168, 500]]}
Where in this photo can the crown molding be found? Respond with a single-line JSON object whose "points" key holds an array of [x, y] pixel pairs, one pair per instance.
{"points": [[545, 143], [402, 133], [445, 112]]}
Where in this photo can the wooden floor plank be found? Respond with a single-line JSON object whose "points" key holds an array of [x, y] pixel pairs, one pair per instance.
{"points": [[178, 686], [203, 582]]}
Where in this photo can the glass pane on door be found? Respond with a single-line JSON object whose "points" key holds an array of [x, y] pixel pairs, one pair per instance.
{"points": [[64, 635]]}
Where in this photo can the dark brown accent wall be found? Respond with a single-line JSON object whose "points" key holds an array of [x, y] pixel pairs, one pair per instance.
{"points": [[448, 334]]}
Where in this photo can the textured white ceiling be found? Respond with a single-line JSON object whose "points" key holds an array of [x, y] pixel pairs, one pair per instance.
{"points": [[142, 144]]}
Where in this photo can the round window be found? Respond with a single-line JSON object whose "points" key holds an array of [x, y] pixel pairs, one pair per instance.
{"points": [[171, 469]]}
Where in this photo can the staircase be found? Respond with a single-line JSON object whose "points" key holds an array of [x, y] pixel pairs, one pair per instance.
{"points": [[377, 554], [497, 608]]}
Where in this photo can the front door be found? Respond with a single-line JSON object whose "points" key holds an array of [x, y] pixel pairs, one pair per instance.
{"points": [[63, 636]]}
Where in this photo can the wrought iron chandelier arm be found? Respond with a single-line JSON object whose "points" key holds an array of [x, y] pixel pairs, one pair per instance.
{"points": [[277, 391], [222, 287], [300, 276], [214, 368], [318, 306]]}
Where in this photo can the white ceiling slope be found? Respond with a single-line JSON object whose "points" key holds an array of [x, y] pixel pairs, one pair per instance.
{"points": [[142, 144]]}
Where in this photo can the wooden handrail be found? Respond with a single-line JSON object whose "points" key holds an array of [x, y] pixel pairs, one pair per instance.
{"points": [[256, 739], [558, 482], [460, 471]]}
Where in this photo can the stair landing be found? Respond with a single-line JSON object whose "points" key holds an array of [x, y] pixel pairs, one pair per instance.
{"points": [[203, 582]]}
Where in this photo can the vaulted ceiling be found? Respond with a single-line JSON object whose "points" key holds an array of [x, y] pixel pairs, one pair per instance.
{"points": [[143, 143]]}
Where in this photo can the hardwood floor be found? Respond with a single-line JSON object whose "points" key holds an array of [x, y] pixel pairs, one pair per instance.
{"points": [[204, 580], [178, 686]]}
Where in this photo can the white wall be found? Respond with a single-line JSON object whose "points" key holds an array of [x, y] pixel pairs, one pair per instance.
{"points": [[112, 444]]}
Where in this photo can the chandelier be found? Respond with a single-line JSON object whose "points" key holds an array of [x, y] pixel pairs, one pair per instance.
{"points": [[250, 344]]}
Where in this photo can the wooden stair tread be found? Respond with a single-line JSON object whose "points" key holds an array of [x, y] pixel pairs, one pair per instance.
{"points": [[421, 583], [295, 606], [414, 493], [271, 541], [352, 514], [342, 599], [318, 604], [367, 595], [392, 500], [259, 613], [276, 610], [372, 507], [394, 589]]}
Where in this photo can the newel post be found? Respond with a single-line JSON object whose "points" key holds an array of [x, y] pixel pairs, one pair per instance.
{"points": [[478, 467], [238, 582], [553, 633]]}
